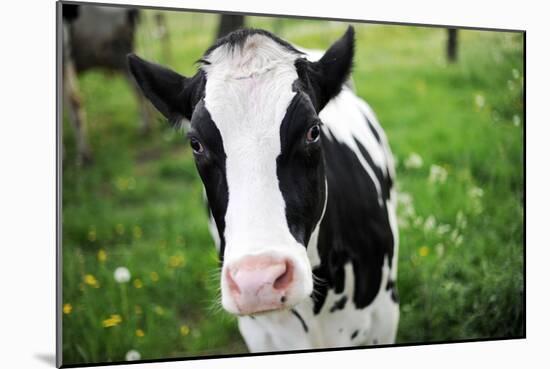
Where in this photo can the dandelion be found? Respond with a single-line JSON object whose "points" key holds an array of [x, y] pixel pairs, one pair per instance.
{"points": [[413, 161], [138, 283], [137, 232], [67, 309], [176, 261], [90, 280], [122, 275], [112, 321], [438, 174], [184, 330], [154, 276], [101, 255], [133, 355], [119, 229], [140, 333], [423, 251]]}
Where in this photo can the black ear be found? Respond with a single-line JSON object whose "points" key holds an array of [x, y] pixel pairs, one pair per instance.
{"points": [[171, 93], [325, 77]]}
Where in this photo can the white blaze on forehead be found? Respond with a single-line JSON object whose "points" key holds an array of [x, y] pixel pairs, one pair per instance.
{"points": [[247, 93]]}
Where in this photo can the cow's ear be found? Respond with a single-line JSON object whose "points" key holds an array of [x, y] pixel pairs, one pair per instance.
{"points": [[171, 93], [326, 76]]}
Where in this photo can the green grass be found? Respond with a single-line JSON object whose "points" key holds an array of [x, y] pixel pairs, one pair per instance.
{"points": [[140, 205]]}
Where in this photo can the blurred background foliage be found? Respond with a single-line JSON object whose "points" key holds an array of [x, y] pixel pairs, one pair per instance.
{"points": [[457, 133]]}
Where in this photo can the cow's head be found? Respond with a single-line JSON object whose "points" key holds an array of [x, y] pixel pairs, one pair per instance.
{"points": [[256, 138]]}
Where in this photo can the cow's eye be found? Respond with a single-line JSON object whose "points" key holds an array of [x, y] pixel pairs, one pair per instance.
{"points": [[196, 146], [313, 133]]}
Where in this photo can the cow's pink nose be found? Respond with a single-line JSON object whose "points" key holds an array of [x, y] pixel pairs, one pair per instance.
{"points": [[259, 283]]}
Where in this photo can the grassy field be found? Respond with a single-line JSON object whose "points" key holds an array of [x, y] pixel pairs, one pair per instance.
{"points": [[456, 131]]}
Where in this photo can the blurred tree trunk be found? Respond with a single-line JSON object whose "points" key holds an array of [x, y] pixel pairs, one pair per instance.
{"points": [[229, 23], [452, 45], [162, 33]]}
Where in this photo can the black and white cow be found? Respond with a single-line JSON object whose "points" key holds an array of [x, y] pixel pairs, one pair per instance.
{"points": [[299, 179]]}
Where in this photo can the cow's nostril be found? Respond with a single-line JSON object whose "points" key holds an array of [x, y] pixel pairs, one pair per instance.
{"points": [[284, 280], [233, 286]]}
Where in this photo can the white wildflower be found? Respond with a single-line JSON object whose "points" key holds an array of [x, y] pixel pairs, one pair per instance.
{"points": [[404, 198], [461, 220], [456, 237], [133, 355], [122, 275], [438, 174], [516, 120], [480, 100], [476, 192], [405, 202], [413, 161], [459, 240], [442, 229], [440, 249], [429, 223]]}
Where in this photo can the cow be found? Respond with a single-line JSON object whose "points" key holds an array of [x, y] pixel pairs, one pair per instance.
{"points": [[97, 37], [299, 180]]}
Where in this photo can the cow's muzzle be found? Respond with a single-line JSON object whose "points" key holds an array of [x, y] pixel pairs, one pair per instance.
{"points": [[259, 283]]}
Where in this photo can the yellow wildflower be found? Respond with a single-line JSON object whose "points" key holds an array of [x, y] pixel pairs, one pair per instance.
{"points": [[140, 333], [138, 283], [176, 261], [424, 251], [90, 280], [101, 255], [159, 310], [67, 308], [92, 235], [137, 232], [112, 321], [154, 276], [184, 330]]}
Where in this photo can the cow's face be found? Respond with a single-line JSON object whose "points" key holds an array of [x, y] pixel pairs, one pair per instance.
{"points": [[256, 138]]}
